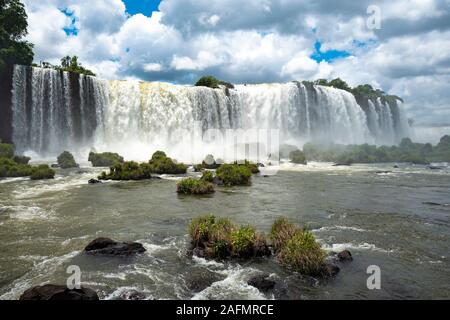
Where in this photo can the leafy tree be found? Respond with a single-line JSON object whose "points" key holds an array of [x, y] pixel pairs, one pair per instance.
{"points": [[13, 27]]}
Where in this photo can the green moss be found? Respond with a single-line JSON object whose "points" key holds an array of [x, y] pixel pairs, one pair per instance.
{"points": [[42, 172], [303, 254], [106, 159], [66, 160], [233, 174], [127, 171], [194, 186], [6, 150]]}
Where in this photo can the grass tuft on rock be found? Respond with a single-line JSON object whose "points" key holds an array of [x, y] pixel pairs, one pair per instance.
{"points": [[194, 186], [219, 238], [303, 254], [282, 230], [297, 248]]}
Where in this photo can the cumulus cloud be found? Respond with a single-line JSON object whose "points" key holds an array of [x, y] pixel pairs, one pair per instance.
{"points": [[258, 41]]}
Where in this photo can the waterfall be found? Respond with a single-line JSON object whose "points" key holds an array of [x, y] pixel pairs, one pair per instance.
{"points": [[55, 111]]}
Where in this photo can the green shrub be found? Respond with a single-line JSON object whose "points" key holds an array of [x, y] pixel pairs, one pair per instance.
{"points": [[127, 171], [105, 159], [303, 254], [158, 155], [21, 159], [298, 157], [220, 238], [42, 172], [6, 150], [194, 186], [212, 82], [207, 176], [11, 169], [161, 164], [282, 230], [198, 168], [233, 174], [66, 160]]}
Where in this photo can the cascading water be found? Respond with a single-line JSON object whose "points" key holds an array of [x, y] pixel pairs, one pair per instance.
{"points": [[54, 111]]}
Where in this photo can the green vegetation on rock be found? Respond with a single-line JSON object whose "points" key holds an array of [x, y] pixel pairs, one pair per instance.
{"points": [[297, 248], [127, 171], [105, 159], [66, 160], [220, 238], [212, 82], [21, 159], [234, 174], [194, 186], [41, 172], [6, 150], [161, 164]]}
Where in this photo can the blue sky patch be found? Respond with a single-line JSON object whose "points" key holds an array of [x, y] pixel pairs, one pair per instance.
{"points": [[329, 55], [70, 30], [146, 7]]}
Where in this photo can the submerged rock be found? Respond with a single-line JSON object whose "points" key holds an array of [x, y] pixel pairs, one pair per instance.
{"points": [[58, 292], [330, 270], [262, 282], [345, 256], [106, 246], [132, 295], [197, 282], [94, 181]]}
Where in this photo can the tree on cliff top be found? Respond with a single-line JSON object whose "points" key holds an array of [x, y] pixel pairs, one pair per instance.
{"points": [[13, 27]]}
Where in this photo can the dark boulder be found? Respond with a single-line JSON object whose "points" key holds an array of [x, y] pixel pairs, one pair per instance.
{"points": [[262, 282], [345, 256], [330, 270], [58, 292], [199, 281], [55, 165], [106, 246], [94, 181]]}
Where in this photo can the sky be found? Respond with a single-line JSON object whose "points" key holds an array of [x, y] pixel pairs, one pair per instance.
{"points": [[405, 52]]}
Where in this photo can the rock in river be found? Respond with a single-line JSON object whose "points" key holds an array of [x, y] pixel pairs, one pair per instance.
{"points": [[106, 246], [58, 292], [262, 282]]}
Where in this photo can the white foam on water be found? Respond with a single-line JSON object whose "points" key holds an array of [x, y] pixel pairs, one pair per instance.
{"points": [[337, 247], [339, 228], [36, 276], [9, 180], [234, 286], [27, 213]]}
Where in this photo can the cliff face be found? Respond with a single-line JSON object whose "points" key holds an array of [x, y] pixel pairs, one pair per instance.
{"points": [[5, 104]]}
